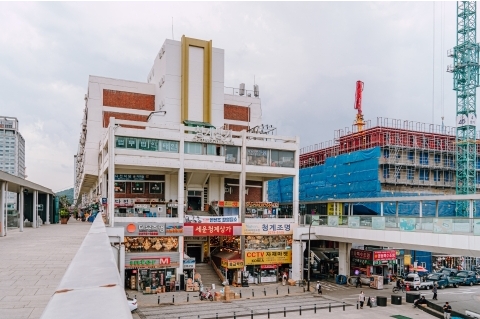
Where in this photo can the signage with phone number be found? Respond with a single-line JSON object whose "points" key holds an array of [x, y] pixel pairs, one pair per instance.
{"points": [[263, 257]]}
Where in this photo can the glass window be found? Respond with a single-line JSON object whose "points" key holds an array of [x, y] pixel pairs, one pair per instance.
{"points": [[174, 146], [153, 145], [211, 149], [143, 144], [424, 174], [257, 156], [410, 156], [137, 188], [120, 187], [437, 175], [386, 153], [424, 158], [131, 142], [410, 173], [193, 148], [155, 188], [232, 154], [282, 158], [437, 158], [386, 172]]}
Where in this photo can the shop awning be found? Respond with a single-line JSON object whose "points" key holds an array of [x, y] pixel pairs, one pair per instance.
{"points": [[199, 124]]}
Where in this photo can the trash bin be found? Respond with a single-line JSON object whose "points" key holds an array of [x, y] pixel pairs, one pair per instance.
{"points": [[385, 281], [411, 297], [371, 302], [396, 300], [381, 301]]}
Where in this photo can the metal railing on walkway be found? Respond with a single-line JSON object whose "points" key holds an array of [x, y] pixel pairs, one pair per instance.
{"points": [[440, 225], [91, 286]]}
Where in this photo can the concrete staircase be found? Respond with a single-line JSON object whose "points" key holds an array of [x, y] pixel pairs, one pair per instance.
{"points": [[209, 276]]}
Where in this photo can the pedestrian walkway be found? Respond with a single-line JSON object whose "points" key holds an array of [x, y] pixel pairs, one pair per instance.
{"points": [[32, 264]]}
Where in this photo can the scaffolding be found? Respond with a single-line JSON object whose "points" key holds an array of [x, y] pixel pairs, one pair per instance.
{"points": [[412, 153]]}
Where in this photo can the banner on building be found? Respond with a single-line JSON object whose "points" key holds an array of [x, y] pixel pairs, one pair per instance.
{"points": [[189, 263], [152, 260], [225, 203], [212, 229], [334, 208], [268, 229], [151, 229], [232, 264], [264, 257], [213, 219]]}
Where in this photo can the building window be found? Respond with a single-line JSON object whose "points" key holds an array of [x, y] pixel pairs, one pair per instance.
{"points": [[386, 172], [478, 178], [437, 176], [437, 159], [447, 176], [410, 173], [424, 174], [193, 148], [232, 154], [146, 144], [119, 187], [423, 158], [282, 158], [386, 153], [410, 156], [155, 188], [137, 187], [397, 174], [257, 156]]}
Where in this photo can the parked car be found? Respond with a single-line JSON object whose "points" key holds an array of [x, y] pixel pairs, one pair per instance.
{"points": [[415, 282], [443, 280], [452, 272], [132, 303], [468, 277]]}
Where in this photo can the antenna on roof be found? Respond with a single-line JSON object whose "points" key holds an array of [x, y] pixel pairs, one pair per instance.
{"points": [[172, 30]]}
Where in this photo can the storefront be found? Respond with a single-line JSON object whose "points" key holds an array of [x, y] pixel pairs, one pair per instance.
{"points": [[378, 262], [152, 256], [261, 210], [188, 270], [228, 208]]}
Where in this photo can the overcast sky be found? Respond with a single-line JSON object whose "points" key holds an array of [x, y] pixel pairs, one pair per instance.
{"points": [[306, 57]]}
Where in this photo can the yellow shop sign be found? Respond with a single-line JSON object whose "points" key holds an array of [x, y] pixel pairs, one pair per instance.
{"points": [[263, 257]]}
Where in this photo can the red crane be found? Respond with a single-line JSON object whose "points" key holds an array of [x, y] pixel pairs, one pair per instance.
{"points": [[359, 122]]}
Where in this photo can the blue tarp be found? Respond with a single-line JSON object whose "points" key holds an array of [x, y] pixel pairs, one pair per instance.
{"points": [[352, 175]]}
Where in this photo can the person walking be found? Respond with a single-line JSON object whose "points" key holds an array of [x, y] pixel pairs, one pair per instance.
{"points": [[447, 310], [361, 299], [434, 290], [284, 279], [358, 283], [319, 288]]}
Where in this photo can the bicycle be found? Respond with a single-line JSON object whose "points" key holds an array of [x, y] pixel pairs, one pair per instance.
{"points": [[396, 289]]}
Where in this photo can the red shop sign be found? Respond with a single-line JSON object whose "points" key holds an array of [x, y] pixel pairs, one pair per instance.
{"points": [[268, 266], [385, 255], [212, 229], [361, 254]]}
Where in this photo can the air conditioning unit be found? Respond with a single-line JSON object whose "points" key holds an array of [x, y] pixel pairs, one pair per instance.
{"points": [[241, 91], [256, 90]]}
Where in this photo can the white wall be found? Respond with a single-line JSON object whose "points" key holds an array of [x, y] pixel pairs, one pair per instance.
{"points": [[218, 79]]}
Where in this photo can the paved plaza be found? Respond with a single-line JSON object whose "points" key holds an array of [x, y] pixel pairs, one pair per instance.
{"points": [[32, 264]]}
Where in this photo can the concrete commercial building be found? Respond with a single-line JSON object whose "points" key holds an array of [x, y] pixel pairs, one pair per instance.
{"points": [[180, 163]]}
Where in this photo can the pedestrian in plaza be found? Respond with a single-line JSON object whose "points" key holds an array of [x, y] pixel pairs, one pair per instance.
{"points": [[319, 288], [447, 310], [358, 282], [434, 290], [284, 279], [361, 299]]}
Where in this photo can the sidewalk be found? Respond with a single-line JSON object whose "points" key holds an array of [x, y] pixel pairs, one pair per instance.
{"points": [[33, 263], [179, 297]]}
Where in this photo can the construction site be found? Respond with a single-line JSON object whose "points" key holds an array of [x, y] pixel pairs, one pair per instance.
{"points": [[393, 157]]}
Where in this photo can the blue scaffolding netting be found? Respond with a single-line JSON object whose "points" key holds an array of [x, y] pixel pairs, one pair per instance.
{"points": [[353, 175]]}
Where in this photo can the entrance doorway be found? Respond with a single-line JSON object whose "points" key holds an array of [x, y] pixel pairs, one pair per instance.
{"points": [[195, 251]]}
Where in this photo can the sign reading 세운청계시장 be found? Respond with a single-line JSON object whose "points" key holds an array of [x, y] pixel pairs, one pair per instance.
{"points": [[268, 229], [262, 257]]}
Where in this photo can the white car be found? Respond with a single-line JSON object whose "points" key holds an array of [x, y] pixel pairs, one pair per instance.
{"points": [[132, 304]]}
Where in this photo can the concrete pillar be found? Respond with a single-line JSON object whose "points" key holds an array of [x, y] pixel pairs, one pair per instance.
{"points": [[421, 208], [297, 259], [35, 209], [296, 182], [396, 213], [2, 208], [47, 222], [5, 204], [243, 177], [21, 203], [181, 181], [470, 208], [344, 258], [436, 208], [381, 208], [166, 188], [111, 172], [180, 267], [264, 191], [222, 188]]}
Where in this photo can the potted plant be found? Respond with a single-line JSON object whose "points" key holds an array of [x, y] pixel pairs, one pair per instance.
{"points": [[64, 215]]}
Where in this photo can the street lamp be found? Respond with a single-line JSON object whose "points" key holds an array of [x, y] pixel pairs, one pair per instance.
{"points": [[309, 252]]}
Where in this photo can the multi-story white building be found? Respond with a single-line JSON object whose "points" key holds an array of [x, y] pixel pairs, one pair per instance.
{"points": [[12, 152], [181, 162]]}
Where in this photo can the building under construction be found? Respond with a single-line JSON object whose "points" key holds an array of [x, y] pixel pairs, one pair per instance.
{"points": [[391, 158]]}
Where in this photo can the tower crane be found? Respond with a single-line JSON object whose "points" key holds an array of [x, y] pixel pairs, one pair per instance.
{"points": [[359, 121]]}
